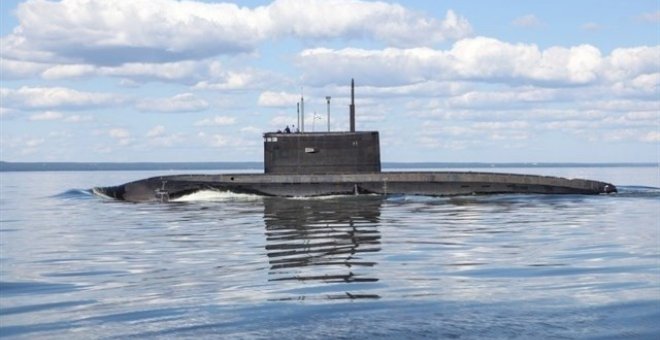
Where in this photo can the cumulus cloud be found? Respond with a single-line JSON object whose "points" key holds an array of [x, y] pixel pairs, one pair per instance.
{"points": [[504, 98], [203, 74], [511, 130], [223, 141], [34, 142], [28, 98], [277, 99], [113, 33], [591, 26], [158, 31], [78, 119], [527, 21], [6, 112], [238, 80], [58, 116], [391, 23], [18, 69], [651, 17], [48, 115], [478, 59], [184, 102], [651, 137], [157, 136], [156, 131], [251, 130], [121, 135], [67, 71], [21, 145], [216, 121], [189, 71], [281, 121]]}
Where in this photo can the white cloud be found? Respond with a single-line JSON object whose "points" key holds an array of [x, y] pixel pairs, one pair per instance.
{"points": [[278, 99], [619, 105], [67, 71], [24, 145], [55, 97], [34, 142], [527, 21], [647, 81], [48, 115], [442, 143], [78, 119], [216, 121], [509, 98], [281, 121], [651, 17], [591, 26], [156, 131], [183, 70], [109, 32], [102, 32], [234, 142], [478, 59], [651, 137], [157, 136], [121, 135], [17, 69], [188, 71], [6, 112], [219, 141], [628, 63], [251, 130], [500, 125], [478, 132], [169, 140], [237, 80], [59, 134], [184, 102], [391, 23], [579, 125]]}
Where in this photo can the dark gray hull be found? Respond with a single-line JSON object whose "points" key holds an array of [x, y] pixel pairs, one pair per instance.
{"points": [[165, 188]]}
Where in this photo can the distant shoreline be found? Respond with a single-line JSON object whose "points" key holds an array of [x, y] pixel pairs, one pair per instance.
{"points": [[138, 166]]}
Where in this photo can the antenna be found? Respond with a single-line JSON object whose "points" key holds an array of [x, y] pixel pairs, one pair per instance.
{"points": [[302, 111], [352, 107], [298, 111], [328, 99]]}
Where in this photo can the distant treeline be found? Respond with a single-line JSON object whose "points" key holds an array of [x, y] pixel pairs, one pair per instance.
{"points": [[101, 166]]}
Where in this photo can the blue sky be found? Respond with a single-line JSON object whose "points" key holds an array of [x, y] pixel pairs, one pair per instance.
{"points": [[445, 81]]}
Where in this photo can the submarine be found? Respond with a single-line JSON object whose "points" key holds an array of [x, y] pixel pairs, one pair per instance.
{"points": [[302, 164]]}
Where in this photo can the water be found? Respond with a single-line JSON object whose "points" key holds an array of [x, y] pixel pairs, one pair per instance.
{"points": [[73, 265]]}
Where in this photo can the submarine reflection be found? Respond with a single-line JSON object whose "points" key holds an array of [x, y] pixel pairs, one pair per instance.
{"points": [[323, 241]]}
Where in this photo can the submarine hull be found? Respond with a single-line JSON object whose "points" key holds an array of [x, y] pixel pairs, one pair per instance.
{"points": [[166, 188]]}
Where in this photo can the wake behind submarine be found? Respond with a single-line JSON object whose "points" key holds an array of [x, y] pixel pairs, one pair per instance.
{"points": [[299, 164]]}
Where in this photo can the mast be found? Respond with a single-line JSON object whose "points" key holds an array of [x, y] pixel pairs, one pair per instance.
{"points": [[352, 107], [302, 112], [328, 99]]}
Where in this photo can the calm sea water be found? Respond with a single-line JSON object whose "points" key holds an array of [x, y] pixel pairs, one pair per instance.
{"points": [[73, 265]]}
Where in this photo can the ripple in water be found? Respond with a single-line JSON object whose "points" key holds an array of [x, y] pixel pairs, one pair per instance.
{"points": [[501, 266]]}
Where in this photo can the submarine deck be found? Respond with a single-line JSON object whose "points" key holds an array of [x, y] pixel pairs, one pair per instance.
{"points": [[165, 188]]}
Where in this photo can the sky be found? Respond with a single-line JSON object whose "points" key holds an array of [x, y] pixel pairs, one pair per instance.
{"points": [[443, 81]]}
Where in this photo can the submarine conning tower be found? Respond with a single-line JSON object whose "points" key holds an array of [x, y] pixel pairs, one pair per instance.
{"points": [[312, 153]]}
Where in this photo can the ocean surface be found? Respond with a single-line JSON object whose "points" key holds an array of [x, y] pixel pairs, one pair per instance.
{"points": [[219, 265]]}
